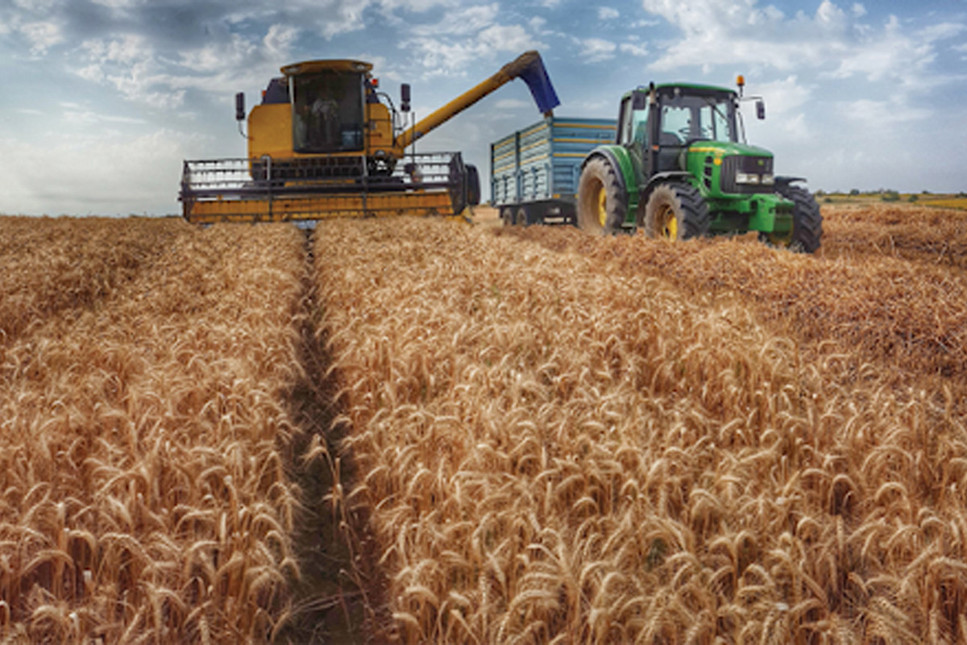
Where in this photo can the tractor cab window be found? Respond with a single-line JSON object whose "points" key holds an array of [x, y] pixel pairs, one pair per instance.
{"points": [[327, 112], [693, 117], [639, 128]]}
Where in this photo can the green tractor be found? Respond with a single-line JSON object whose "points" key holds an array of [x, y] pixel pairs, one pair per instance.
{"points": [[680, 169]]}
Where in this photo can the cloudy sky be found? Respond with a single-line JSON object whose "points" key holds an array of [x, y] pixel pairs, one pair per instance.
{"points": [[103, 99]]}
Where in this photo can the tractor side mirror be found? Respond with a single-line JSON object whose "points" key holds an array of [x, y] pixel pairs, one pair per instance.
{"points": [[760, 109], [240, 106], [405, 97]]}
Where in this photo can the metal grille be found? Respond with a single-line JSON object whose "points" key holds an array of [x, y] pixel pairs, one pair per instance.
{"points": [[320, 187], [739, 163]]}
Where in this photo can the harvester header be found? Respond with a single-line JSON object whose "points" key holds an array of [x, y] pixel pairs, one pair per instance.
{"points": [[324, 142]]}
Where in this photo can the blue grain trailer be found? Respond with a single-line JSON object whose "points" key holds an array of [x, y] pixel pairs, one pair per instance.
{"points": [[534, 172]]}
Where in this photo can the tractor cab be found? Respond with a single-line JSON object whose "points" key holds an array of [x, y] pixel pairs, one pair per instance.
{"points": [[661, 123]]}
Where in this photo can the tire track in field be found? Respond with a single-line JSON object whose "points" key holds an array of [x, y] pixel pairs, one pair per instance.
{"points": [[334, 595]]}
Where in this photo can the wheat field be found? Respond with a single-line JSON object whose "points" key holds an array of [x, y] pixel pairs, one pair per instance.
{"points": [[437, 433]]}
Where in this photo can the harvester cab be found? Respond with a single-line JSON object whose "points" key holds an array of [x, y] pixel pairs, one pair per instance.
{"points": [[680, 168], [325, 142]]}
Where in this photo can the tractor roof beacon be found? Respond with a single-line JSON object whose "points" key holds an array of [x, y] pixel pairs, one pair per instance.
{"points": [[680, 168]]}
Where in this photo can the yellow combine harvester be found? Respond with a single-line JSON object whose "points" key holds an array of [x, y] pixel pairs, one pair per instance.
{"points": [[325, 142]]}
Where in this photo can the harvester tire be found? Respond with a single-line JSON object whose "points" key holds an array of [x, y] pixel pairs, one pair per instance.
{"points": [[675, 212], [602, 203], [807, 220]]}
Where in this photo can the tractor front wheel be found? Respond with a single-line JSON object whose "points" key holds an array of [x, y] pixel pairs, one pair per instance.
{"points": [[807, 222], [602, 204], [675, 212]]}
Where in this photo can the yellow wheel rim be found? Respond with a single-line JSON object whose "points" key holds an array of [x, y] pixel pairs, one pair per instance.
{"points": [[780, 239], [602, 206], [668, 224]]}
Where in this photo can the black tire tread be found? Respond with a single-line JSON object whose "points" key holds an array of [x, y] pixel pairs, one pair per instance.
{"points": [[807, 220], [617, 201], [690, 207]]}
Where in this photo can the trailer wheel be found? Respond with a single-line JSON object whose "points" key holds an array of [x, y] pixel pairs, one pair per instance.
{"points": [[807, 222], [522, 219], [507, 216], [676, 212], [602, 204]]}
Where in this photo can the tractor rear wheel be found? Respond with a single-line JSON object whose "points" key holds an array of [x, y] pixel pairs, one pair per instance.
{"points": [[602, 204], [807, 222], [675, 212]]}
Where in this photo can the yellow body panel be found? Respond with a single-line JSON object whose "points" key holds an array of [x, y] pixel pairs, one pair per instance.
{"points": [[321, 207], [270, 132]]}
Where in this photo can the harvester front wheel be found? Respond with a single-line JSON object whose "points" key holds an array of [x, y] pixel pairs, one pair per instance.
{"points": [[602, 204], [675, 212], [807, 222]]}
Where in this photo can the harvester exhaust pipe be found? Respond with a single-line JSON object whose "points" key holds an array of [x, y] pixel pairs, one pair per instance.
{"points": [[240, 112]]}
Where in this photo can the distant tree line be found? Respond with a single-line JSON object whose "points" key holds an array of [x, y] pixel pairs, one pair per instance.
{"points": [[885, 194]]}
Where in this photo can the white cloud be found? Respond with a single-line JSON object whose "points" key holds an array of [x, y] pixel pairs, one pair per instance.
{"points": [[453, 54], [460, 23], [830, 15], [507, 38], [511, 104], [607, 13], [876, 115], [42, 36], [831, 41], [96, 174], [341, 17], [784, 96], [595, 50], [279, 39], [633, 49]]}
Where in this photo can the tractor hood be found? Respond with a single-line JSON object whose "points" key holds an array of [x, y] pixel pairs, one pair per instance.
{"points": [[728, 168], [721, 149]]}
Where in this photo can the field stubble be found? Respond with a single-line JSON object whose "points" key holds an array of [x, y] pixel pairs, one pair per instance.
{"points": [[641, 442], [533, 435], [144, 429]]}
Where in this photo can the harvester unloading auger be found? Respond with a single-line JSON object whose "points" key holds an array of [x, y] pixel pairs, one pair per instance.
{"points": [[324, 144]]}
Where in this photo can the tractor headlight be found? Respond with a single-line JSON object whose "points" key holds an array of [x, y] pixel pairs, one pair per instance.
{"points": [[768, 179], [746, 178]]}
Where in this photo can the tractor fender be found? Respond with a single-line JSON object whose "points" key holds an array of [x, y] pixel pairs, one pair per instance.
{"points": [[672, 176], [786, 181], [619, 158]]}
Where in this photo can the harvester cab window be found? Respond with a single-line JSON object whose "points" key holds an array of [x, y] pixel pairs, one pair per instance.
{"points": [[327, 112]]}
